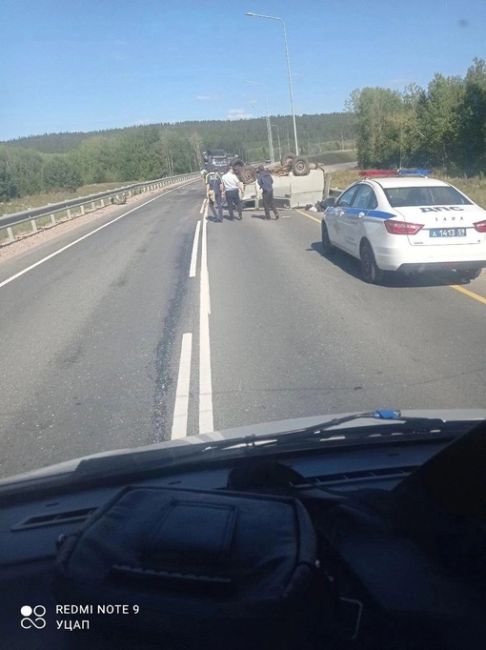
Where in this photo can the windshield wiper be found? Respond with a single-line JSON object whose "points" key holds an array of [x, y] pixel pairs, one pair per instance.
{"points": [[413, 424], [392, 424]]}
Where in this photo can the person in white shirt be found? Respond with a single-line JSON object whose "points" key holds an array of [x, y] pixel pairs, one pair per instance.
{"points": [[232, 188]]}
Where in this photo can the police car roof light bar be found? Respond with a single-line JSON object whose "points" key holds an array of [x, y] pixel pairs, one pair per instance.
{"points": [[415, 171], [377, 173]]}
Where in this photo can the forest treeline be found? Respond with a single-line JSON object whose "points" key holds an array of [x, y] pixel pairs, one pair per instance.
{"points": [[442, 126], [69, 160]]}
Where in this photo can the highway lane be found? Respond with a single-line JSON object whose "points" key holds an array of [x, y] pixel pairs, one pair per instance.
{"points": [[115, 343], [299, 334], [88, 337]]}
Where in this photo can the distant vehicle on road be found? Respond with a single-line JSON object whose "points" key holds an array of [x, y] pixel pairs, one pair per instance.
{"points": [[217, 159], [399, 221]]}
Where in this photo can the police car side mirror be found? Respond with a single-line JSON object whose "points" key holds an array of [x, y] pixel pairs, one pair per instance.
{"points": [[329, 202]]}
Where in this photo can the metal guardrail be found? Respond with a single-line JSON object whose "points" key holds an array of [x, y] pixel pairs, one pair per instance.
{"points": [[84, 204]]}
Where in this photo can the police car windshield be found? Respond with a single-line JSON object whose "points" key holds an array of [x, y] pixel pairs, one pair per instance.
{"points": [[400, 197]]}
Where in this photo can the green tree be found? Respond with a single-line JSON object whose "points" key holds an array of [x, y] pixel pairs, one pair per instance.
{"points": [[439, 116], [8, 186], [60, 173], [472, 128], [378, 112]]}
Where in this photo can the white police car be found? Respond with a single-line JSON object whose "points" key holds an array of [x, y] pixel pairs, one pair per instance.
{"points": [[405, 221]]}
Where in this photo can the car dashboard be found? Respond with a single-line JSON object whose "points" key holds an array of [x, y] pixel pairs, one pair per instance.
{"points": [[32, 529]]}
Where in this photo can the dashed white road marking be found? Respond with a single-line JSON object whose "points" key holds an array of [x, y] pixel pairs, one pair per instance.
{"points": [[181, 407], [195, 245]]}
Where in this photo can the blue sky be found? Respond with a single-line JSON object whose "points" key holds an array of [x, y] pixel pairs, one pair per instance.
{"points": [[79, 65]]}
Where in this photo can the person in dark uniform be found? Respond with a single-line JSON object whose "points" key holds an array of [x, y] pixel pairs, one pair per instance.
{"points": [[215, 194], [265, 181]]}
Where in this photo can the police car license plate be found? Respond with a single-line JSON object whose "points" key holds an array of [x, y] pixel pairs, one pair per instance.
{"points": [[447, 232]]}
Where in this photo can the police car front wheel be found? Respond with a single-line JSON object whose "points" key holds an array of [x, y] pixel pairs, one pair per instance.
{"points": [[370, 271]]}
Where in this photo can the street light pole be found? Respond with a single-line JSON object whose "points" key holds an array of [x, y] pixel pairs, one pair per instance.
{"points": [[291, 90], [271, 152]]}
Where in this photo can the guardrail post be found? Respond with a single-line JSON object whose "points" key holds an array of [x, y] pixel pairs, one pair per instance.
{"points": [[81, 208], [93, 203], [10, 234], [68, 212], [53, 219], [34, 225], [102, 203]]}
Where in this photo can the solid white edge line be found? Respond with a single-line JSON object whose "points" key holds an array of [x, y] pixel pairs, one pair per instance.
{"points": [[206, 259], [181, 406], [206, 422], [195, 245], [203, 206], [80, 239]]}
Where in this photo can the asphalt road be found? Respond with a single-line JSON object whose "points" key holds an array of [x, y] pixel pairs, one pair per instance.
{"points": [[133, 334]]}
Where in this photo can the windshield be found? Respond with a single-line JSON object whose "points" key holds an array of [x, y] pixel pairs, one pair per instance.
{"points": [[401, 197], [148, 296]]}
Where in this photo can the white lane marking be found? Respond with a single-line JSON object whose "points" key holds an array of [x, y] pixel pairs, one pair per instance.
{"points": [[80, 239], [206, 258], [203, 206], [181, 406], [195, 245], [206, 422]]}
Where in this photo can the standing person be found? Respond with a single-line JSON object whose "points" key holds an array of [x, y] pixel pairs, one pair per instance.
{"points": [[265, 181], [232, 188], [215, 194]]}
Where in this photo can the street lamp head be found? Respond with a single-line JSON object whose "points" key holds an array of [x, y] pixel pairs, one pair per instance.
{"points": [[252, 13]]}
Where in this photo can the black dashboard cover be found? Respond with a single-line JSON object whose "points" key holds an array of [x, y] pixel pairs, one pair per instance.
{"points": [[398, 552], [207, 569]]}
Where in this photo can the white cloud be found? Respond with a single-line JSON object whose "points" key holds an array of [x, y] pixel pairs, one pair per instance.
{"points": [[203, 98], [238, 114]]}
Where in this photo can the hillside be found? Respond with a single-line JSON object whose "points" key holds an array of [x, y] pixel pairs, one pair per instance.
{"points": [[250, 134]]}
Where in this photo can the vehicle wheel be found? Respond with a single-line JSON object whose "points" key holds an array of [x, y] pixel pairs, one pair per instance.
{"points": [[370, 272], [470, 274], [300, 166], [327, 247], [287, 159], [248, 174]]}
